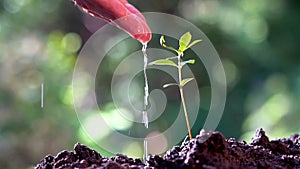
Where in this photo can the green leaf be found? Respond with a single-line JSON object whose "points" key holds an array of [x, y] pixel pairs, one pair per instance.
{"points": [[192, 61], [193, 43], [163, 44], [185, 81], [184, 41], [173, 57], [169, 84], [163, 62]]}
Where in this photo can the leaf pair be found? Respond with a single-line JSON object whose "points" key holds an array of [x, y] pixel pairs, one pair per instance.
{"points": [[183, 82], [184, 43]]}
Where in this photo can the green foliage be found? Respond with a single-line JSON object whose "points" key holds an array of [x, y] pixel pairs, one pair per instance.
{"points": [[192, 61], [184, 41], [169, 84], [184, 44], [185, 81], [162, 43], [164, 62]]}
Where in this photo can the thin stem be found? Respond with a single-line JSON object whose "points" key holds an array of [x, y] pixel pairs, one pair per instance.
{"points": [[182, 96], [185, 113]]}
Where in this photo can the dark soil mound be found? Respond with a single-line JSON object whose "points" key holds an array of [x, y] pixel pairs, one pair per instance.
{"points": [[209, 150]]}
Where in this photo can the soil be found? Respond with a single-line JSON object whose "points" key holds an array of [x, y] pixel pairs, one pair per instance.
{"points": [[208, 150]]}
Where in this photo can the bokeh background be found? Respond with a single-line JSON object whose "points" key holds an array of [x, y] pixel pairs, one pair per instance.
{"points": [[258, 42]]}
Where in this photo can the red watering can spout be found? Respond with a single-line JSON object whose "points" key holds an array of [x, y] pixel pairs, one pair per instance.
{"points": [[121, 14]]}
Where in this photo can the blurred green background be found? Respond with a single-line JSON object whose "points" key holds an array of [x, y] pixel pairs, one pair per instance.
{"points": [[258, 42]]}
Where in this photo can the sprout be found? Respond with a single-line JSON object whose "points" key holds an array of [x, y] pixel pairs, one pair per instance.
{"points": [[184, 44]]}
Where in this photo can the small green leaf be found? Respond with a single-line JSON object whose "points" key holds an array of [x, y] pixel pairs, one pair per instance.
{"points": [[163, 44], [193, 43], [192, 61], [173, 57], [169, 84], [184, 41], [163, 62], [185, 81]]}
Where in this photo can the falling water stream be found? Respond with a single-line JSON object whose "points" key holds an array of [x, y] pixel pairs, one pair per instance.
{"points": [[146, 97], [146, 90]]}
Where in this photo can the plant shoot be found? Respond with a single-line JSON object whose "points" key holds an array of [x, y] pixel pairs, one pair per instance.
{"points": [[178, 62]]}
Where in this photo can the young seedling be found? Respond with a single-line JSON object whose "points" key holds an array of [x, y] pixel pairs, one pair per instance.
{"points": [[184, 44]]}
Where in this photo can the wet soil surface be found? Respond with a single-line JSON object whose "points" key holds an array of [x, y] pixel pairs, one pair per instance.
{"points": [[208, 150]]}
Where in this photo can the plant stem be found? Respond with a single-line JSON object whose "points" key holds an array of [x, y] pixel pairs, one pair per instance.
{"points": [[182, 96]]}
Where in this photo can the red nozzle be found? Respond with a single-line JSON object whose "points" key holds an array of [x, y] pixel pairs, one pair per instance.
{"points": [[121, 14]]}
